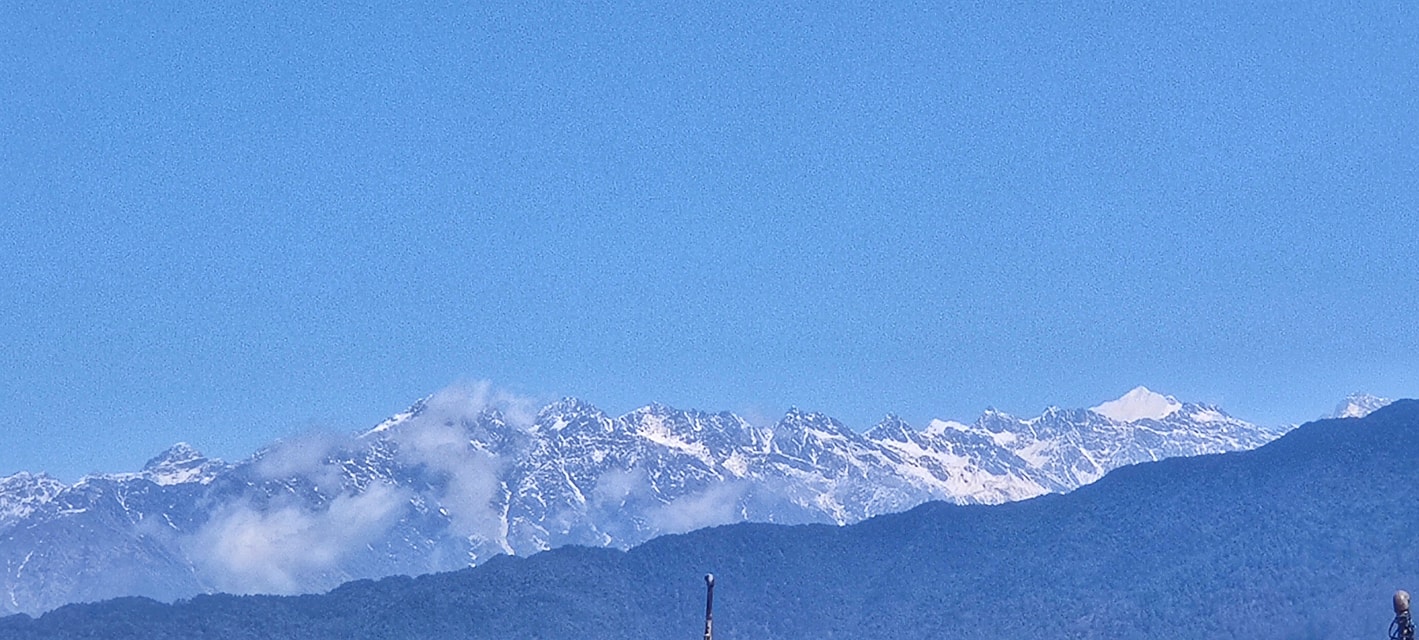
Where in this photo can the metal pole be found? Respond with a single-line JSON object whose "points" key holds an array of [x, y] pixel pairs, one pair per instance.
{"points": [[709, 606]]}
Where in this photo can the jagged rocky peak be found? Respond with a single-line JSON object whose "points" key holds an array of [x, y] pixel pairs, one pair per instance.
{"points": [[574, 416], [570, 405], [24, 483], [992, 412], [657, 415], [1359, 405], [797, 425], [1055, 415], [996, 421], [24, 492], [1201, 412], [24, 478], [415, 410], [178, 455], [798, 417], [658, 409], [1139, 404], [941, 427], [891, 428], [182, 463]]}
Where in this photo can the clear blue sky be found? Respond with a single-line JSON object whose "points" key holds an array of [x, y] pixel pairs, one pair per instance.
{"points": [[229, 222]]}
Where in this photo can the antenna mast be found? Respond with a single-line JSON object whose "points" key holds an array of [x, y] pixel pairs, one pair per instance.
{"points": [[709, 607]]}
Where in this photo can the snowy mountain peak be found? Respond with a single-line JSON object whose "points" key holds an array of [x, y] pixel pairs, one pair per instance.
{"points": [[570, 405], [415, 410], [180, 454], [573, 415], [1139, 404], [891, 428], [26, 482], [652, 409], [798, 419], [1359, 405], [21, 494], [180, 464]]}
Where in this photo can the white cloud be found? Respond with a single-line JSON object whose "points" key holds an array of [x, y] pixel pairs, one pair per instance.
{"points": [[717, 504], [465, 400], [244, 549], [287, 546], [616, 487], [304, 456], [473, 490], [472, 493]]}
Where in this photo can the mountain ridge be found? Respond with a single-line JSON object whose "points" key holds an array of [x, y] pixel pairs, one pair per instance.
{"points": [[1304, 537], [452, 482]]}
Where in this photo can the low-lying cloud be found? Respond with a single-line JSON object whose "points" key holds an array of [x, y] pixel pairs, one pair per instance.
{"points": [[720, 503], [286, 536], [307, 456], [466, 400], [470, 477], [284, 544], [281, 548]]}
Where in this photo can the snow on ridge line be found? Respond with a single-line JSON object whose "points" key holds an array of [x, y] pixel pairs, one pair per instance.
{"points": [[1139, 404], [1359, 405]]}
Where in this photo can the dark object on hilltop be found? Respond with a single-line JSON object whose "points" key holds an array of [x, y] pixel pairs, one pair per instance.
{"points": [[709, 606], [1402, 628]]}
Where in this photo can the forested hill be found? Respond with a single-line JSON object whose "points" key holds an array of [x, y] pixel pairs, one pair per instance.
{"points": [[1305, 537]]}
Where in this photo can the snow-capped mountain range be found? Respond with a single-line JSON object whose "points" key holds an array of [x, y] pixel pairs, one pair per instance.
{"points": [[457, 479], [1359, 405]]}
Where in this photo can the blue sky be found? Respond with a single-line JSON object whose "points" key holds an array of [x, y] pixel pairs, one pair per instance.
{"points": [[234, 222]]}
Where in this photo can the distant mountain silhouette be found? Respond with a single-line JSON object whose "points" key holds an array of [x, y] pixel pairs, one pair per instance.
{"points": [[1306, 537]]}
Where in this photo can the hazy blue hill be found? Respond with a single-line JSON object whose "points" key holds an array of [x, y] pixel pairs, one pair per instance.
{"points": [[1305, 537]]}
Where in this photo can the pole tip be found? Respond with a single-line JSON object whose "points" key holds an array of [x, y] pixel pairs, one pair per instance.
{"points": [[709, 581], [1401, 601]]}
